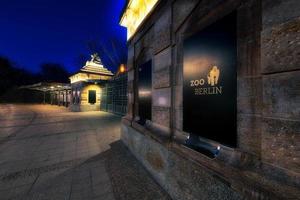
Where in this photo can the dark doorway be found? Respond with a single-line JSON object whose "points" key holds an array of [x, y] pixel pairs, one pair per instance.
{"points": [[92, 96]]}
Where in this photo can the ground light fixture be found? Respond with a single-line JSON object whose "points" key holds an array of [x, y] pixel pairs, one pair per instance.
{"points": [[194, 142]]}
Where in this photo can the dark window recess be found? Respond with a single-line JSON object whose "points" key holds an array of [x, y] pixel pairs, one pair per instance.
{"points": [[92, 96], [209, 91], [145, 91]]}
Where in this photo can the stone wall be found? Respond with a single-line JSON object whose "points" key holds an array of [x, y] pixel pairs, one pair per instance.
{"points": [[181, 178], [266, 162], [79, 97], [280, 58]]}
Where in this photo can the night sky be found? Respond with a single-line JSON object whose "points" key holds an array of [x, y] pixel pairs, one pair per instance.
{"points": [[33, 32]]}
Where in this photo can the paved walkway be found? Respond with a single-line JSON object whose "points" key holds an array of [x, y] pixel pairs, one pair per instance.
{"points": [[47, 152]]}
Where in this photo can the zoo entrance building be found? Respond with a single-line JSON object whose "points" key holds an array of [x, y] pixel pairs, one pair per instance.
{"points": [[213, 96]]}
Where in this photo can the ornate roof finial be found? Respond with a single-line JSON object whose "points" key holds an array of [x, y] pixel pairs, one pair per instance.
{"points": [[96, 59]]}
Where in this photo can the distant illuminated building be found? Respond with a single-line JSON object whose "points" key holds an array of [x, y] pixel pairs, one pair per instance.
{"points": [[92, 88], [87, 85]]}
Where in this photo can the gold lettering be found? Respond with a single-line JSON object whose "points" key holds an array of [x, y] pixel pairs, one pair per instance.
{"points": [[219, 90], [208, 91], [195, 83], [192, 83], [202, 81]]}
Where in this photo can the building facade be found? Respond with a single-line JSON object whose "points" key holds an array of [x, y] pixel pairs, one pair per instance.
{"points": [[213, 96], [87, 85]]}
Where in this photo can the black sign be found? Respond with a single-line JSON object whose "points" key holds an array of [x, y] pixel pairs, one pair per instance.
{"points": [[145, 91], [209, 91]]}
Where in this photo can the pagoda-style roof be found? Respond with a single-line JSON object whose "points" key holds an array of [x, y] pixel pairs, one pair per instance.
{"points": [[93, 70]]}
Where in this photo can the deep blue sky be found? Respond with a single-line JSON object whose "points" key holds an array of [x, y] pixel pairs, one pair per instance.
{"points": [[58, 31]]}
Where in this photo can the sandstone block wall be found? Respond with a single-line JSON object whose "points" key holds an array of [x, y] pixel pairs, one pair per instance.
{"points": [[266, 162]]}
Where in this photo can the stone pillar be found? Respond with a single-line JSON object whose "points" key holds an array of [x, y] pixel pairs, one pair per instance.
{"points": [[130, 84], [44, 97], [72, 96], [63, 97], [67, 93], [50, 97], [161, 72], [280, 50], [162, 88], [57, 97]]}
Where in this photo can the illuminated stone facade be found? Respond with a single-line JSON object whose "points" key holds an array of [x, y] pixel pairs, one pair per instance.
{"points": [[265, 163], [135, 14], [87, 85]]}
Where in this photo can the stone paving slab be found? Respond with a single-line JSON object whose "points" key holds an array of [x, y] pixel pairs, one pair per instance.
{"points": [[47, 152]]}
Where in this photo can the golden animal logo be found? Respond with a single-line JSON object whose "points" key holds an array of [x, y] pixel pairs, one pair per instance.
{"points": [[213, 76]]}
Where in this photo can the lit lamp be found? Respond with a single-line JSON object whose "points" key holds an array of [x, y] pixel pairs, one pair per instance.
{"points": [[122, 68]]}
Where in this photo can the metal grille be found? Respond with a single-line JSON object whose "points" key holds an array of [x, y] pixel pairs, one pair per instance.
{"points": [[114, 95]]}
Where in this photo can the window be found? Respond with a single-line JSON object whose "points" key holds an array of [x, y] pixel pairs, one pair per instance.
{"points": [[145, 91], [92, 96]]}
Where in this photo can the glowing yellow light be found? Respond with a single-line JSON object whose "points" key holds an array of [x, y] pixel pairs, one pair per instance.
{"points": [[79, 77], [85, 77], [122, 68], [135, 13]]}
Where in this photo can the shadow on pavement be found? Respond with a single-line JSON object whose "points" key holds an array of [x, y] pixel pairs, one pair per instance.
{"points": [[113, 174]]}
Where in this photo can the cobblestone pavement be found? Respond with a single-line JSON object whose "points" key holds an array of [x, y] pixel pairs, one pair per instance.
{"points": [[47, 152]]}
